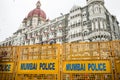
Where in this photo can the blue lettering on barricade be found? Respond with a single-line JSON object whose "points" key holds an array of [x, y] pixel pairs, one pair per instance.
{"points": [[5, 67], [47, 66], [33, 66], [38, 67], [101, 66], [29, 66], [75, 67], [97, 67]]}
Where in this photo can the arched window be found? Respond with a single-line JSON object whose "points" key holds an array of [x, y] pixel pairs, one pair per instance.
{"points": [[96, 9]]}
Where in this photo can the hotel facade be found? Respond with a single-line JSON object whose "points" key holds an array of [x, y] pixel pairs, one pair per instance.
{"points": [[91, 23]]}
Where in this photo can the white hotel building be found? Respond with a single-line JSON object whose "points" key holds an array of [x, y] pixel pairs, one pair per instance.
{"points": [[90, 23]]}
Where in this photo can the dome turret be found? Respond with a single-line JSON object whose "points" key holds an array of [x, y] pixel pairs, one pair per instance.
{"points": [[91, 1], [37, 12]]}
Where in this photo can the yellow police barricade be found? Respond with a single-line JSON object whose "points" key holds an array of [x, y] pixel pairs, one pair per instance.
{"points": [[88, 70], [117, 67], [8, 57], [6, 70], [115, 47], [87, 61], [38, 62], [74, 61]]}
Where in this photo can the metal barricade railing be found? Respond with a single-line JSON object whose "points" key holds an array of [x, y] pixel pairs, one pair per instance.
{"points": [[94, 52], [8, 58], [39, 62], [68, 61]]}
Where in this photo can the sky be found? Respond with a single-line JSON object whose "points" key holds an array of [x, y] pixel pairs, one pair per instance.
{"points": [[12, 12]]}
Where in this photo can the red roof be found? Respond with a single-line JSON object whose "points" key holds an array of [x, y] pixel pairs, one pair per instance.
{"points": [[38, 12]]}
